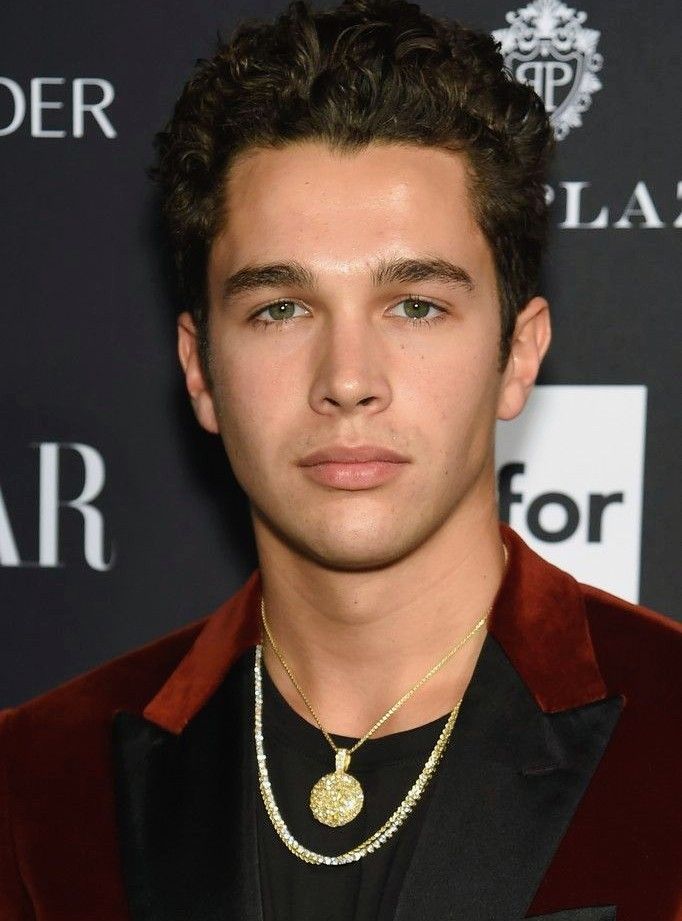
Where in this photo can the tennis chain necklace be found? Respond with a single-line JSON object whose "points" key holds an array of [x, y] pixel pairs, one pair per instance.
{"points": [[337, 798], [382, 834]]}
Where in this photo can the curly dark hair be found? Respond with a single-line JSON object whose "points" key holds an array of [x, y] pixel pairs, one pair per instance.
{"points": [[366, 71]]}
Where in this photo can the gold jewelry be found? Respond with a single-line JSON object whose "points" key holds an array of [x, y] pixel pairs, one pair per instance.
{"points": [[382, 834], [337, 798]]}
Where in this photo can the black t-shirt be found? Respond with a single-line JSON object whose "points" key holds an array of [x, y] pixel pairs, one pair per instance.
{"points": [[298, 755]]}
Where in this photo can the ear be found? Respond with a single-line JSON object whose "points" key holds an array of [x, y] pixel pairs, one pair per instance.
{"points": [[532, 335], [195, 379]]}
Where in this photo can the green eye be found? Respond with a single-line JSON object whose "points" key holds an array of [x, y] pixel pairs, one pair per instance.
{"points": [[415, 309], [285, 310]]}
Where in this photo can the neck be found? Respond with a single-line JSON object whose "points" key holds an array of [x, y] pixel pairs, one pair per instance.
{"points": [[356, 641]]}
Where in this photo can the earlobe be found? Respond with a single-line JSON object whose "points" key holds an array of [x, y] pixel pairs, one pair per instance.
{"points": [[195, 379], [531, 339]]}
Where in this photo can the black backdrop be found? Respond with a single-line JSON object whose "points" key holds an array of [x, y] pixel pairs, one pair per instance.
{"points": [[87, 347]]}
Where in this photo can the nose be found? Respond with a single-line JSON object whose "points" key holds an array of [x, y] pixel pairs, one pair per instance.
{"points": [[350, 371]]}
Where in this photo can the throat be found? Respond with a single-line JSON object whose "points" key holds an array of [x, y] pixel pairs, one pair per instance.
{"points": [[364, 700]]}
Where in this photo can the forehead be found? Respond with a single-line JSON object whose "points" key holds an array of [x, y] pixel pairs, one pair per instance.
{"points": [[306, 200]]}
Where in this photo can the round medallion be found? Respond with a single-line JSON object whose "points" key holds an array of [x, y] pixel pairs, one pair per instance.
{"points": [[336, 799]]}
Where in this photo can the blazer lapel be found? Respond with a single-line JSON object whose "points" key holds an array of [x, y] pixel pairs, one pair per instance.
{"points": [[185, 812], [532, 728], [503, 796]]}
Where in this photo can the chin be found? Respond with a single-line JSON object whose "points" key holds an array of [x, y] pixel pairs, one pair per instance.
{"points": [[352, 561], [357, 539], [356, 552]]}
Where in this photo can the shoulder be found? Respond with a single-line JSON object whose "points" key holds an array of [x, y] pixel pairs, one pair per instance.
{"points": [[638, 650], [55, 755], [90, 700], [83, 708]]}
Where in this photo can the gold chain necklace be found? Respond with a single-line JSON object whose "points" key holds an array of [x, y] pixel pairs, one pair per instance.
{"points": [[337, 798], [382, 834]]}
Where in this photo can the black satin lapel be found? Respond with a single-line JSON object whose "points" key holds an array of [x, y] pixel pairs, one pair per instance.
{"points": [[187, 834], [503, 797], [596, 913]]}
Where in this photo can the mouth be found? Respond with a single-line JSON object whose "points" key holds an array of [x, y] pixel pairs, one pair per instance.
{"points": [[353, 468]]}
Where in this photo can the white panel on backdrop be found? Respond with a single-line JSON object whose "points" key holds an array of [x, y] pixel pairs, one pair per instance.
{"points": [[570, 472]]}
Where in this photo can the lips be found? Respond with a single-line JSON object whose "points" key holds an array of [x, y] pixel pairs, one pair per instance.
{"points": [[361, 454], [353, 468]]}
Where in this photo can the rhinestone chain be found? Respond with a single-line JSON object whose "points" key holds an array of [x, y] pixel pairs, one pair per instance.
{"points": [[382, 834]]}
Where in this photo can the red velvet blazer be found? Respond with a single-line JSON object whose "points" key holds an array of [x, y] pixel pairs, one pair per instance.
{"points": [[559, 794]]}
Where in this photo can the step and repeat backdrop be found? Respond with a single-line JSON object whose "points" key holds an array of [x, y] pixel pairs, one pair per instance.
{"points": [[119, 519]]}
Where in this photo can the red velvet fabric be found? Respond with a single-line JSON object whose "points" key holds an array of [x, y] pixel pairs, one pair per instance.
{"points": [[624, 845], [570, 644]]}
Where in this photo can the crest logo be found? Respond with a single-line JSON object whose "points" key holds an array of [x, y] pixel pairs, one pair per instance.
{"points": [[547, 46]]}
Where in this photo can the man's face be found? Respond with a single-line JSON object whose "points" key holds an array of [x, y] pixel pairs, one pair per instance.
{"points": [[355, 377]]}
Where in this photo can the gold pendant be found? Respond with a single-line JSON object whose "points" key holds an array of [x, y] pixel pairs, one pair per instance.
{"points": [[336, 799]]}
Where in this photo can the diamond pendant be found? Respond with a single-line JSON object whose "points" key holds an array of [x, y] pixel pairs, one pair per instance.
{"points": [[336, 799]]}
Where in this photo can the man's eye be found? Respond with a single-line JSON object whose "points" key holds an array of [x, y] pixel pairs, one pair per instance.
{"points": [[414, 308], [282, 310]]}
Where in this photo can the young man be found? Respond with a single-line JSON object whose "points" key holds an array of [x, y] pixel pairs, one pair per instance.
{"points": [[356, 203]]}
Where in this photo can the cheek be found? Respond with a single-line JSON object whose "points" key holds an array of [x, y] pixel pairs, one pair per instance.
{"points": [[456, 400], [454, 378], [253, 398]]}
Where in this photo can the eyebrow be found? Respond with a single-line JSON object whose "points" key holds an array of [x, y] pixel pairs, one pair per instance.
{"points": [[386, 272]]}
